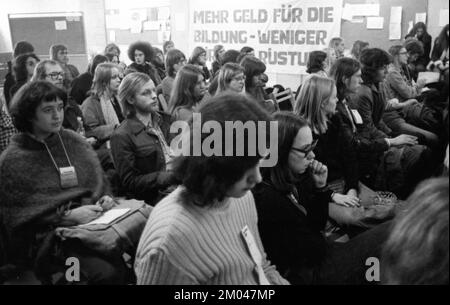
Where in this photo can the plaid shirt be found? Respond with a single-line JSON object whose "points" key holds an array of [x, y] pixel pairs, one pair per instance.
{"points": [[7, 130]]}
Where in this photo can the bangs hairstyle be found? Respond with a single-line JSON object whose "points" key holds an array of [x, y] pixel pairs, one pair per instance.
{"points": [[20, 66], [208, 178], [316, 61], [252, 67], [28, 99], [102, 79], [226, 75], [54, 49], [314, 95], [196, 54], [183, 88], [372, 60], [129, 87], [173, 57], [416, 252], [280, 176], [342, 70]]}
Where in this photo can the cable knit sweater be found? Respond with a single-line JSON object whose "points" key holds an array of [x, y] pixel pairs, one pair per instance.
{"points": [[30, 188], [183, 244]]}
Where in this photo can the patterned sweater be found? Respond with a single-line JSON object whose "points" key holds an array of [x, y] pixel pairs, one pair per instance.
{"points": [[183, 244]]}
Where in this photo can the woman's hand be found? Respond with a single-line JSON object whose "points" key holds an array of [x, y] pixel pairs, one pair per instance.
{"points": [[107, 203], [92, 141], [319, 173], [83, 214], [346, 200], [352, 192], [404, 140]]}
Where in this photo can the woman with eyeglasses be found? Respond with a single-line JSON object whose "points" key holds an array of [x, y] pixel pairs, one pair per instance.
{"points": [[140, 146], [231, 78], [102, 111], [175, 60], [198, 59], [292, 203]]}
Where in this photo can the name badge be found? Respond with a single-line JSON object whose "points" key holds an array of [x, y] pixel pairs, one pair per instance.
{"points": [[68, 177], [357, 117], [255, 254]]}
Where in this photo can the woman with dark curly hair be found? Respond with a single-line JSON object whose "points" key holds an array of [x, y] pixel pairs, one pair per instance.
{"points": [[23, 71], [140, 53], [198, 58]]}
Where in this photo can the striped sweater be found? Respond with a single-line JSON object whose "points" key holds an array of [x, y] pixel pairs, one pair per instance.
{"points": [[183, 244]]}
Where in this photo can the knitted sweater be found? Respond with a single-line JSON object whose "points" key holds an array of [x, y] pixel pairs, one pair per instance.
{"points": [[184, 244]]}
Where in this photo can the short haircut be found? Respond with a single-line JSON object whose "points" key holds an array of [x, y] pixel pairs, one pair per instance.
{"points": [[111, 47], [414, 46], [252, 67], [40, 72], [98, 59], [102, 78], [173, 57], [27, 100], [183, 87], [208, 178], [196, 54], [314, 94], [226, 74], [395, 50], [280, 176], [230, 56], [23, 47], [55, 49], [128, 89], [343, 68], [316, 61], [20, 66], [373, 60], [142, 46], [416, 252], [334, 42]]}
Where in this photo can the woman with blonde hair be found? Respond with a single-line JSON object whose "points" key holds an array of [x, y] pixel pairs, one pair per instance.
{"points": [[231, 78], [101, 111]]}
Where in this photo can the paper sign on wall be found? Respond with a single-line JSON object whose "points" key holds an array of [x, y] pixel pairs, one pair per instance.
{"points": [[365, 9], [421, 17], [396, 14], [61, 25], [443, 17], [375, 23], [395, 31]]}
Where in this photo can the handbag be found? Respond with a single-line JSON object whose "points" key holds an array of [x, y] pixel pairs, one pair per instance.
{"points": [[116, 237]]}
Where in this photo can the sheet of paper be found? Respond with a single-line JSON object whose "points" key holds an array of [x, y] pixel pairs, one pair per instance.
{"points": [[375, 23], [421, 17], [357, 20], [395, 31], [410, 26], [108, 217], [429, 77], [180, 22], [61, 25], [396, 14], [443, 17], [346, 12], [112, 36]]}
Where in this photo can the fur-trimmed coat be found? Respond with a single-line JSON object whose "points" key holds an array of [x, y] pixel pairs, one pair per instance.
{"points": [[30, 191]]}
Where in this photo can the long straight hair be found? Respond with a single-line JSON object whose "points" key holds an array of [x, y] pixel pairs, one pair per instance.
{"points": [[102, 79], [183, 88], [314, 96]]}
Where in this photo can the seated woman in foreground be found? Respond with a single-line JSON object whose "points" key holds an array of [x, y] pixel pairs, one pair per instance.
{"points": [[199, 233]]}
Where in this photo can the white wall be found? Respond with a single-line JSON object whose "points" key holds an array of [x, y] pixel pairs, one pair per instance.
{"points": [[434, 7]]}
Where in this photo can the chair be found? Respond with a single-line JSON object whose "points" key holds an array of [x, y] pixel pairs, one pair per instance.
{"points": [[286, 95], [163, 103]]}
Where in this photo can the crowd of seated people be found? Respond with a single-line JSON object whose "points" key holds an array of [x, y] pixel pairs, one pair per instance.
{"points": [[361, 125]]}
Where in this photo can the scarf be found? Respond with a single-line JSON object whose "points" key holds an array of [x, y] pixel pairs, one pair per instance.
{"points": [[108, 111]]}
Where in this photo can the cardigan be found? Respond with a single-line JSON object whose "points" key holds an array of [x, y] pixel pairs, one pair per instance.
{"points": [[183, 244]]}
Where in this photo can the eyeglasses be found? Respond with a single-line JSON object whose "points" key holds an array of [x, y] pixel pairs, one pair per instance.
{"points": [[239, 79], [307, 150], [55, 75]]}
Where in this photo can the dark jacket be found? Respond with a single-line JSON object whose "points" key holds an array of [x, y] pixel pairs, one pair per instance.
{"points": [[71, 113], [9, 83], [148, 69], [370, 103], [426, 41], [81, 86], [139, 158], [292, 239]]}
